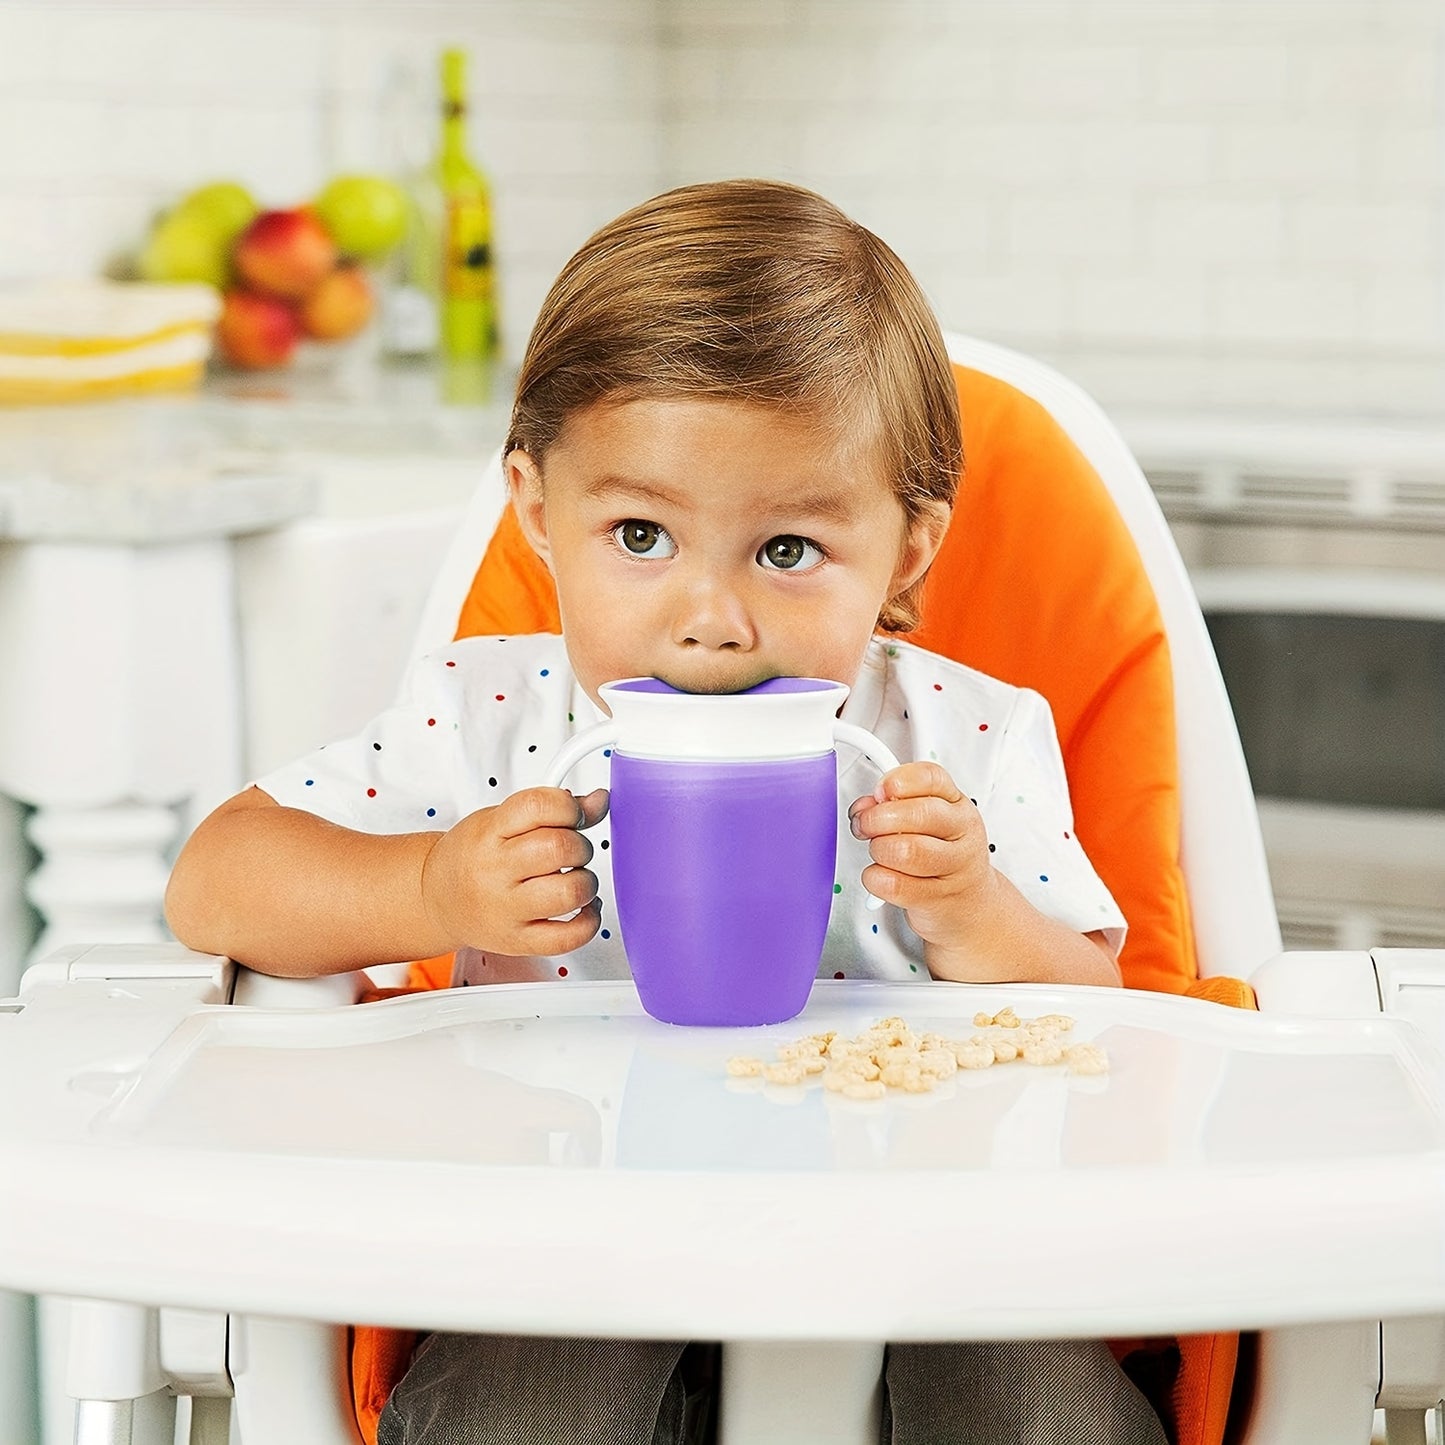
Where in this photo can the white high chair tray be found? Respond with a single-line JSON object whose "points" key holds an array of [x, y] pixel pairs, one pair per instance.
{"points": [[546, 1158]]}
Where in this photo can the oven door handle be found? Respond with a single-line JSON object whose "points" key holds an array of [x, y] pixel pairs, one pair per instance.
{"points": [[1319, 591]]}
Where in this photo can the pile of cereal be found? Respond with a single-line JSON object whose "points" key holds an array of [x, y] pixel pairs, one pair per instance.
{"points": [[890, 1055]]}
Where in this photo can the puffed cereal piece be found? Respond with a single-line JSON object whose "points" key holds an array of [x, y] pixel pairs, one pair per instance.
{"points": [[813, 1064], [893, 1039], [1006, 1018], [1043, 1051], [940, 1063], [787, 1072], [1061, 1022], [918, 1082], [896, 1076], [744, 1067], [974, 1056], [1005, 1051], [891, 1022], [1086, 1059], [931, 1041], [865, 1089], [898, 1054], [802, 1049], [982, 1020]]}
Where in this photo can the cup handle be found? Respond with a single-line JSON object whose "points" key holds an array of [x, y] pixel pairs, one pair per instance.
{"points": [[601, 735], [867, 744], [880, 756]]}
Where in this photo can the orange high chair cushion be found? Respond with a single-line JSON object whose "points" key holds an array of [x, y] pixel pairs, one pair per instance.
{"points": [[1039, 583]]}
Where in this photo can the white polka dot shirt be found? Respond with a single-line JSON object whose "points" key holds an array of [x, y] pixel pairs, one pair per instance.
{"points": [[483, 718]]}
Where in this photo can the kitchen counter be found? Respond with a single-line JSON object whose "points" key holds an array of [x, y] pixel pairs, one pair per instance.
{"points": [[239, 456]]}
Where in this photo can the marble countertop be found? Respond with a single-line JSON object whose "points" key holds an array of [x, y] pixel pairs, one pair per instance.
{"points": [[243, 454]]}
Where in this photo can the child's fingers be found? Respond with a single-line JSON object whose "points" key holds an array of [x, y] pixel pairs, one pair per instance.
{"points": [[917, 780], [553, 897], [594, 807], [548, 937], [534, 808], [935, 817], [908, 891], [915, 855], [544, 851]]}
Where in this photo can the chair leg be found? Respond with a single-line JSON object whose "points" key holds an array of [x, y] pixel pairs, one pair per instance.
{"points": [[777, 1393], [1317, 1385], [292, 1382], [148, 1420], [104, 1422], [210, 1420], [1405, 1427]]}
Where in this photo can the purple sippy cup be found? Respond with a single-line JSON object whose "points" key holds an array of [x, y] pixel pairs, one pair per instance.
{"points": [[724, 840]]}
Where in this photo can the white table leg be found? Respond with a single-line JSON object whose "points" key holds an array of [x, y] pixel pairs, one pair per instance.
{"points": [[120, 703], [101, 875]]}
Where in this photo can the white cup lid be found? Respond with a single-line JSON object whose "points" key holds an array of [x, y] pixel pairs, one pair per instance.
{"points": [[785, 717]]}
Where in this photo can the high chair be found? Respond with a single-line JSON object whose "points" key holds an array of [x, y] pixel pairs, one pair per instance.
{"points": [[1057, 601]]}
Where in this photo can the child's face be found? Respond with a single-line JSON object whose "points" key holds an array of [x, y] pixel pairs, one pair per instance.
{"points": [[715, 544]]}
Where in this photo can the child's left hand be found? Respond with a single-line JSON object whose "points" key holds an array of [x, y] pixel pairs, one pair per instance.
{"points": [[929, 850], [931, 858]]}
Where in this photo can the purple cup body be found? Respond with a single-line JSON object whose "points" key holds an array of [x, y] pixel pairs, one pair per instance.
{"points": [[724, 875]]}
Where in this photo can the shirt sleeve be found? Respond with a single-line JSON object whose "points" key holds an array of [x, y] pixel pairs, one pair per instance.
{"points": [[401, 773], [1030, 824]]}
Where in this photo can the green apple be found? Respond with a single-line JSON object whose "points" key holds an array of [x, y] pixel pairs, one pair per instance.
{"points": [[227, 207], [365, 215], [193, 241], [185, 247]]}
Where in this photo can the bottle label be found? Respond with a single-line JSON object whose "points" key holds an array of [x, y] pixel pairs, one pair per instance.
{"points": [[468, 271]]}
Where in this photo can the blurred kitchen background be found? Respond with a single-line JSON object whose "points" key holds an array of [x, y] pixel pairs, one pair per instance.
{"points": [[1225, 218]]}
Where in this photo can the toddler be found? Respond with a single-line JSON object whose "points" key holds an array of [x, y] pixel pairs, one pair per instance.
{"points": [[735, 445]]}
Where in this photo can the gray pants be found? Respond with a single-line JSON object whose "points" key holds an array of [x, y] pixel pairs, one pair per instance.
{"points": [[502, 1390]]}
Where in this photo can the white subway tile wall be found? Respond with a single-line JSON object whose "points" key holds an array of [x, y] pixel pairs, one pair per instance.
{"points": [[1233, 204]]}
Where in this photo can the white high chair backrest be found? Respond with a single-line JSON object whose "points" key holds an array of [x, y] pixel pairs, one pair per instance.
{"points": [[1222, 851], [1236, 927]]}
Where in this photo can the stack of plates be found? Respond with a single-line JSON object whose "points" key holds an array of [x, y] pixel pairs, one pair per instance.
{"points": [[79, 340]]}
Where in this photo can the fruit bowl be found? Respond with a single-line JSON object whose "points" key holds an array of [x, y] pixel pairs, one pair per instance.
{"points": [[287, 277]]}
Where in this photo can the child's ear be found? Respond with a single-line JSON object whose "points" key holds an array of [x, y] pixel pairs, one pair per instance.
{"points": [[920, 545], [524, 491]]}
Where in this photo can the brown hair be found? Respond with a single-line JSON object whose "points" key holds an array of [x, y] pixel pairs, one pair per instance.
{"points": [[751, 291]]}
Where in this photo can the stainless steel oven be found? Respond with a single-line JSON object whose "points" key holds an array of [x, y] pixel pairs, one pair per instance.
{"points": [[1318, 554]]}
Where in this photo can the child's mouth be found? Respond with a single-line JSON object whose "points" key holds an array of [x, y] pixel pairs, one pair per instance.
{"points": [[714, 687]]}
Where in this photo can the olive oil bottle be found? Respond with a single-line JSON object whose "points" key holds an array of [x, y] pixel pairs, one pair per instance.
{"points": [[468, 319]]}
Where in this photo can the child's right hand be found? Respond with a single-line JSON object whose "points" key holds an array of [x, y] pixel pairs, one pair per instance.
{"points": [[494, 881]]}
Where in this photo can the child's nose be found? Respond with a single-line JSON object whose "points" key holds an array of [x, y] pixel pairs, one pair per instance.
{"points": [[713, 615]]}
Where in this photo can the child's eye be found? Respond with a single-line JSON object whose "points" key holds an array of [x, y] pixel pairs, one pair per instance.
{"points": [[644, 539], [790, 554]]}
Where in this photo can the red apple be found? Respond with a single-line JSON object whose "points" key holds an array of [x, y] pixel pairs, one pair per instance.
{"points": [[284, 253], [340, 306], [256, 331]]}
